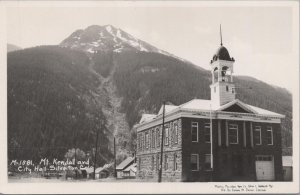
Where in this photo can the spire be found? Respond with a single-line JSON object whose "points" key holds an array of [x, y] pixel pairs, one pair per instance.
{"points": [[221, 34]]}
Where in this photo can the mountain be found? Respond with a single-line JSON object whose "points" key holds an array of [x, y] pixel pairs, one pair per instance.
{"points": [[11, 47], [106, 38], [50, 104], [101, 79]]}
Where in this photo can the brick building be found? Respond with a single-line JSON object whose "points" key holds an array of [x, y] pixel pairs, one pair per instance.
{"points": [[222, 139]]}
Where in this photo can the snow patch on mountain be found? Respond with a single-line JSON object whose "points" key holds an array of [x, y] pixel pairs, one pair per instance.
{"points": [[103, 38], [109, 38]]}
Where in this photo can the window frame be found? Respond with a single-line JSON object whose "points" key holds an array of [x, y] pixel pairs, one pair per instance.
{"points": [[166, 166], [205, 133], [270, 129], [197, 162], [205, 163], [264, 158], [257, 128], [175, 162], [193, 126], [152, 163], [230, 128], [142, 140], [153, 144], [147, 140], [175, 132], [157, 137], [167, 135], [157, 162]]}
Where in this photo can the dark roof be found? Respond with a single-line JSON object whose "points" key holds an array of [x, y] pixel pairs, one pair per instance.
{"points": [[222, 54]]}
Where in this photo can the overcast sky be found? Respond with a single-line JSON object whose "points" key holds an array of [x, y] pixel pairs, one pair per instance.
{"points": [[261, 39]]}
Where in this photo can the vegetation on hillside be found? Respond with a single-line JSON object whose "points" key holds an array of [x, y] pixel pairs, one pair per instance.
{"points": [[50, 104], [145, 80], [53, 97]]}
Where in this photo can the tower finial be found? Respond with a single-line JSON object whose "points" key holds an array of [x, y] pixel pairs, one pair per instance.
{"points": [[221, 34]]}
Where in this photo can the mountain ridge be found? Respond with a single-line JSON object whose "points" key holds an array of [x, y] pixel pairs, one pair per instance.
{"points": [[106, 37], [96, 38]]}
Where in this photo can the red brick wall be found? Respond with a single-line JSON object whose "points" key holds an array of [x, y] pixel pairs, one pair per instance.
{"points": [[224, 156]]}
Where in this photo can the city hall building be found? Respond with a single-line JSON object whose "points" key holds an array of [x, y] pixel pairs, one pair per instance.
{"points": [[222, 139]]}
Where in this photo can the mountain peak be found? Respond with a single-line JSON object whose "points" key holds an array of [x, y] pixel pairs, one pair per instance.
{"points": [[107, 27], [96, 38]]}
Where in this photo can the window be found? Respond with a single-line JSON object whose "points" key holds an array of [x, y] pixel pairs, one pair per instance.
{"points": [[166, 162], [263, 158], [269, 136], [207, 162], [175, 133], [194, 132], [157, 137], [152, 163], [139, 141], [175, 162], [167, 135], [227, 88], [157, 162], [147, 140], [233, 134], [207, 132], [257, 135], [153, 139], [142, 144], [194, 162]]}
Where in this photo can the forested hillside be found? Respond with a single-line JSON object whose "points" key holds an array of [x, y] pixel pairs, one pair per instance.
{"points": [[102, 79], [51, 107], [144, 80], [271, 98]]}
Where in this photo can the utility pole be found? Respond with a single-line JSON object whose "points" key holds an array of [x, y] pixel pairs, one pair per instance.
{"points": [[75, 162], [96, 151], [162, 143], [75, 156], [211, 144], [115, 164]]}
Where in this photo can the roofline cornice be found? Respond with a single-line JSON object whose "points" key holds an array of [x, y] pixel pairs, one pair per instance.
{"points": [[205, 114]]}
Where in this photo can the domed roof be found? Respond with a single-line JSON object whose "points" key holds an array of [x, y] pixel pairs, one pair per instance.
{"points": [[222, 54]]}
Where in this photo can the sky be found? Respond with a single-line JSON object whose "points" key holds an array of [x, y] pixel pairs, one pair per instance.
{"points": [[260, 37]]}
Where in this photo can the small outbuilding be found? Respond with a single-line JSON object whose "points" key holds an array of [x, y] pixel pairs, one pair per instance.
{"points": [[130, 172], [287, 164], [123, 166], [105, 171]]}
